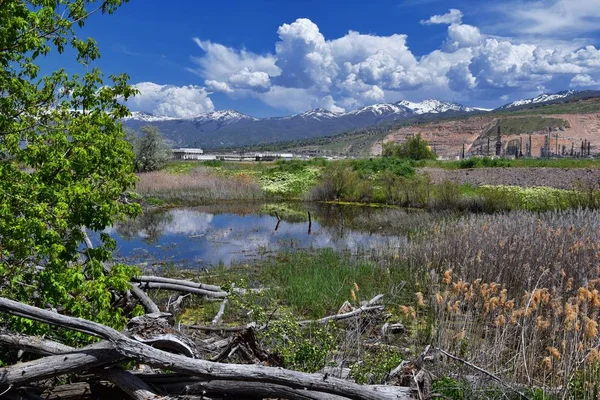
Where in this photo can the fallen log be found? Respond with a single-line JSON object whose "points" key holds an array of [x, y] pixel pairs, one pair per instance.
{"points": [[146, 301], [89, 357], [220, 313], [179, 282], [367, 307], [182, 384], [124, 380], [182, 288], [204, 369], [186, 283]]}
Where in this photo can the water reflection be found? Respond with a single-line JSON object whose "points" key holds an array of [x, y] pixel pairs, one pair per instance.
{"points": [[200, 237]]}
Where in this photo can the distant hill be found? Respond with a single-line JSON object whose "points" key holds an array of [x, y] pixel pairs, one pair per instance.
{"points": [[232, 129]]}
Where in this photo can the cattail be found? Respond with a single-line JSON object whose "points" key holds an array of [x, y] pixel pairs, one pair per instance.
{"points": [[547, 363], [569, 284], [593, 356], [595, 300], [447, 277], [509, 305], [459, 336], [570, 316], [500, 320], [420, 300], [583, 295], [590, 329], [456, 306], [554, 353], [439, 299], [541, 323]]}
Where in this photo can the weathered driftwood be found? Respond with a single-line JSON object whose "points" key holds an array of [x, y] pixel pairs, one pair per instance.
{"points": [[181, 384], [179, 282], [146, 301], [219, 314], [96, 355], [182, 288], [127, 382], [204, 369], [185, 283], [367, 307]]}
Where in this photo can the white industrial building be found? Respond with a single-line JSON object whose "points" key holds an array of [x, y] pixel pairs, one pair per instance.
{"points": [[188, 154]]}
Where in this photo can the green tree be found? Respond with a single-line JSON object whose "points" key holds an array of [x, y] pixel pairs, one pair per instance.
{"points": [[414, 148], [64, 164], [151, 151]]}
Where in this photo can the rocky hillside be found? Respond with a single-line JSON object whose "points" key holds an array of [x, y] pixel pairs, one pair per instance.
{"points": [[568, 124]]}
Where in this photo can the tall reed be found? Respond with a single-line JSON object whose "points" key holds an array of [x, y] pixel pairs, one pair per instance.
{"points": [[200, 186]]}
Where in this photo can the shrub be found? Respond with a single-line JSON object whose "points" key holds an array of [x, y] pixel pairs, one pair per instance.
{"points": [[414, 148]]}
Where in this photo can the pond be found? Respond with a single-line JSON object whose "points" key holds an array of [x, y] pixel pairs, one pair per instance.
{"points": [[201, 237]]}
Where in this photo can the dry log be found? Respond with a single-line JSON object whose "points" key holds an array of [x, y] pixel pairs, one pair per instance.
{"points": [[186, 283], [203, 369], [180, 384], [367, 307], [96, 355], [184, 289], [219, 314], [127, 382], [179, 282], [146, 301]]}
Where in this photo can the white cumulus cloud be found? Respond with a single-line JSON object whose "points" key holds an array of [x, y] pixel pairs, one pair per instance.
{"points": [[583, 80], [173, 101], [307, 70], [453, 16]]}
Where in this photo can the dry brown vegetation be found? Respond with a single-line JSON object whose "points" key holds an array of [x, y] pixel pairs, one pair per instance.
{"points": [[200, 186], [517, 294]]}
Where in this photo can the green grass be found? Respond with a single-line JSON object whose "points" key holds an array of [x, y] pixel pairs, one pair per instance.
{"points": [[315, 284]]}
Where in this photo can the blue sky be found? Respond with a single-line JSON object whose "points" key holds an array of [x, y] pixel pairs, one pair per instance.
{"points": [[277, 57]]}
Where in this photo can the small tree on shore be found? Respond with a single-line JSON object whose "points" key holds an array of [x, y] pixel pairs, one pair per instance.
{"points": [[414, 148], [151, 151]]}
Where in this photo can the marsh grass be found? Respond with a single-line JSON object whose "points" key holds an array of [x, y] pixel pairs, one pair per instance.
{"points": [[317, 283], [200, 186]]}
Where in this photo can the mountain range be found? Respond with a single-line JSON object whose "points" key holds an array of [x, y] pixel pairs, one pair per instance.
{"points": [[229, 128]]}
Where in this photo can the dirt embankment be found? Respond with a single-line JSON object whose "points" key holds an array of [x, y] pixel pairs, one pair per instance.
{"points": [[447, 138], [560, 178]]}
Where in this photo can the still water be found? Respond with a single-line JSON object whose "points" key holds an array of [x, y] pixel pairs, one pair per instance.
{"points": [[207, 236]]}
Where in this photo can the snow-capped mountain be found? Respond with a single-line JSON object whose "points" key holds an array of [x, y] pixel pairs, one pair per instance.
{"points": [[316, 114], [147, 117], [231, 128], [432, 106], [227, 116], [542, 98], [381, 110]]}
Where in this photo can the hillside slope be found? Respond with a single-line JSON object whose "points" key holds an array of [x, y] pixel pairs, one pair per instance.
{"points": [[569, 124]]}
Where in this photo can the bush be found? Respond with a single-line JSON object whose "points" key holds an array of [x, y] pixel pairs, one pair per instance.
{"points": [[415, 148], [369, 167]]}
